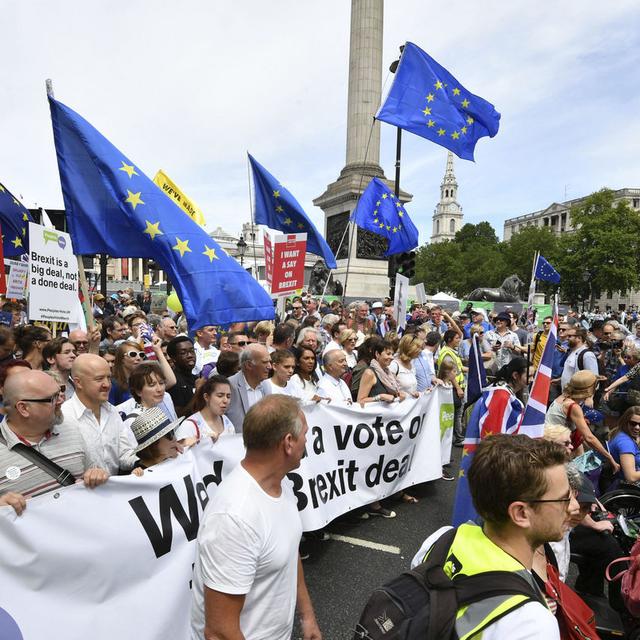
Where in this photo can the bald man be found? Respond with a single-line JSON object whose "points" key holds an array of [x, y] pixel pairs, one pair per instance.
{"points": [[85, 342], [32, 401], [331, 385], [109, 442], [246, 385]]}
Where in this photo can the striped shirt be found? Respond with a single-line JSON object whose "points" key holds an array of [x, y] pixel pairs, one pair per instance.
{"points": [[62, 444]]}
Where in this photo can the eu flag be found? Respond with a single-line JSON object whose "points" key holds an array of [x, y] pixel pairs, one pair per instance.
{"points": [[113, 207], [381, 212], [14, 220], [544, 271], [276, 208], [428, 101]]}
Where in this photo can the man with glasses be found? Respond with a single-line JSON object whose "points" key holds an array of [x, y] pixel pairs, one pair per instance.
{"points": [[32, 402], [83, 342], [238, 341], [580, 357], [520, 489], [167, 329], [540, 341], [109, 443], [297, 311]]}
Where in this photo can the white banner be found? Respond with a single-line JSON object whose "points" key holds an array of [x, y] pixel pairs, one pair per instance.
{"points": [[53, 275], [116, 561]]}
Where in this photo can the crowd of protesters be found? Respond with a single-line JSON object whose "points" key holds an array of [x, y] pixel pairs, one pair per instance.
{"points": [[139, 387]]}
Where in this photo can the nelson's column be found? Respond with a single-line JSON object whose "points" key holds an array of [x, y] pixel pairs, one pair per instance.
{"points": [[368, 267]]}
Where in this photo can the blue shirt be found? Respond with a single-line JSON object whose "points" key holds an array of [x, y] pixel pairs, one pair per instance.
{"points": [[423, 372], [467, 328], [624, 443]]}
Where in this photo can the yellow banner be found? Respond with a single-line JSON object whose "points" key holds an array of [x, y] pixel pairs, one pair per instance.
{"points": [[172, 190]]}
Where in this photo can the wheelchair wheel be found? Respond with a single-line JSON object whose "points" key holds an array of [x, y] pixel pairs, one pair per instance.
{"points": [[623, 502]]}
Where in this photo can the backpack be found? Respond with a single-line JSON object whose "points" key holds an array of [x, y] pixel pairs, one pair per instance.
{"points": [[421, 604], [580, 361], [630, 585]]}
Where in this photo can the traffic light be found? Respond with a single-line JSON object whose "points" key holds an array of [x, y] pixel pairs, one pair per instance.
{"points": [[406, 264]]}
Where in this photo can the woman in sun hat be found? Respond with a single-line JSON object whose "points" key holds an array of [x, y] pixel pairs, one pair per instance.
{"points": [[566, 410], [154, 432]]}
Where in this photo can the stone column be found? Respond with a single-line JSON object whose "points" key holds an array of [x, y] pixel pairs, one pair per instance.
{"points": [[365, 79]]}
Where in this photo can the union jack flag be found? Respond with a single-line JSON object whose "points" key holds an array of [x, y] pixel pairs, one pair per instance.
{"points": [[532, 422], [497, 411]]}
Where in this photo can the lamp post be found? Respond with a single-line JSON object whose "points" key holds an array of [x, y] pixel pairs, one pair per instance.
{"points": [[242, 248]]}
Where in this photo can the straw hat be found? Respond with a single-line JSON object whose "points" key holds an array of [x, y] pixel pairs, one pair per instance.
{"points": [[151, 425], [581, 385]]}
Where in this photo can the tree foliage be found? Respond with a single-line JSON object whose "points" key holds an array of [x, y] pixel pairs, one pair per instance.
{"points": [[602, 254]]}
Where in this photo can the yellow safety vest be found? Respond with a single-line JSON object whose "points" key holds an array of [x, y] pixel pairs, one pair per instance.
{"points": [[472, 553], [448, 351]]}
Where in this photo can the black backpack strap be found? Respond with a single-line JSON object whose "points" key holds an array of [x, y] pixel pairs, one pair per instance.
{"points": [[63, 477]]}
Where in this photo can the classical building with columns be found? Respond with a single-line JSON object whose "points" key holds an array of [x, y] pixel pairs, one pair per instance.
{"points": [[367, 268], [447, 217]]}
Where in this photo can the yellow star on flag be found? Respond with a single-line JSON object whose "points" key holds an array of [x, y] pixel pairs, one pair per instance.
{"points": [[427, 111], [455, 135], [279, 209], [381, 225], [398, 204], [287, 221], [388, 228], [431, 123], [129, 169], [276, 194], [465, 103], [182, 246], [25, 217], [378, 203], [24, 231], [463, 129], [210, 253], [134, 199], [1, 188], [438, 85], [465, 453], [153, 230], [430, 97], [469, 120], [399, 226], [441, 132], [401, 213], [375, 220], [16, 202], [456, 92], [384, 196], [375, 212], [17, 242], [395, 229], [461, 473]]}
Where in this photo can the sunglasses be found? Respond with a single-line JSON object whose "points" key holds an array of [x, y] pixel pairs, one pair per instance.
{"points": [[241, 343], [49, 400], [637, 423], [135, 354], [81, 342], [546, 322]]}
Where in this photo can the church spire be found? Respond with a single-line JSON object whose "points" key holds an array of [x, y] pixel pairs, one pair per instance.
{"points": [[447, 217]]}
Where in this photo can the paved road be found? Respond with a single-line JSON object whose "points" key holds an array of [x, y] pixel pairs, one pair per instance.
{"points": [[340, 575]]}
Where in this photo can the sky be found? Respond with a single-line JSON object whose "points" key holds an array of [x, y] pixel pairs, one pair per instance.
{"points": [[190, 87]]}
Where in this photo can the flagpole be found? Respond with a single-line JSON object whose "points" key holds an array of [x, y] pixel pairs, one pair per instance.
{"points": [[87, 307], [253, 233]]}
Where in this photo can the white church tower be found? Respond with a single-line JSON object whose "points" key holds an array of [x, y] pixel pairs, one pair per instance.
{"points": [[447, 217]]}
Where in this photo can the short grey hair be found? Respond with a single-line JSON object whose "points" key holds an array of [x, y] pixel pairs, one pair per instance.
{"points": [[329, 319], [268, 421], [303, 334]]}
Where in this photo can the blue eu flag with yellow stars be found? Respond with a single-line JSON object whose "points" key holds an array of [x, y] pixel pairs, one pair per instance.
{"points": [[14, 221], [382, 213], [544, 271], [428, 101], [113, 207], [276, 208]]}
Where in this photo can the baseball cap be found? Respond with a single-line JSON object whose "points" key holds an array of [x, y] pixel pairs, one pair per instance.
{"points": [[585, 493], [377, 305]]}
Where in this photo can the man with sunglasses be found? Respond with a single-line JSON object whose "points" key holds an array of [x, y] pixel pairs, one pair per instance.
{"points": [[32, 402], [109, 442], [238, 341], [540, 341], [520, 489]]}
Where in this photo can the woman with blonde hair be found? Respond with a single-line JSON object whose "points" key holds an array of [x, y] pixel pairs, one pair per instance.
{"points": [[262, 332], [559, 434], [347, 340], [402, 366], [565, 410]]}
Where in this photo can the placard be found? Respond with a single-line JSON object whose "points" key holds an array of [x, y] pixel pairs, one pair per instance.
{"points": [[400, 300], [420, 293], [53, 275], [284, 260], [17, 279]]}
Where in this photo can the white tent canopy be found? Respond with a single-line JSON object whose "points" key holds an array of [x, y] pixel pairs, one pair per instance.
{"points": [[443, 297]]}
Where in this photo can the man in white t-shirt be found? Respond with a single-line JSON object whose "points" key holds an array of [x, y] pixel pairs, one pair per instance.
{"points": [[529, 503], [331, 385], [204, 346], [248, 578]]}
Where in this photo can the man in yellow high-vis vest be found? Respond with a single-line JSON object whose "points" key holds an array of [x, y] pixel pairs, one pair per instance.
{"points": [[519, 487]]}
